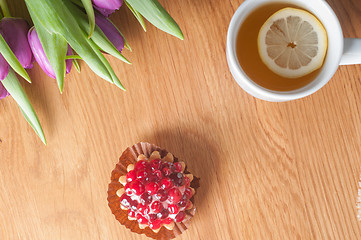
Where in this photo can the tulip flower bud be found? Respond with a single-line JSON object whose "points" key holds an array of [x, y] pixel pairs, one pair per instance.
{"points": [[110, 31], [107, 7], [3, 92], [40, 56], [14, 31]]}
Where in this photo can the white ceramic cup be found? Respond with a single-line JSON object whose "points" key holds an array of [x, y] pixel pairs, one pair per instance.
{"points": [[340, 51]]}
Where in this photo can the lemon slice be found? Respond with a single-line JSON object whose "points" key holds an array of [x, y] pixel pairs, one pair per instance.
{"points": [[292, 43]]}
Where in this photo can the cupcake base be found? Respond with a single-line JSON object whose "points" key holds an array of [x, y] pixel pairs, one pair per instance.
{"points": [[130, 156]]}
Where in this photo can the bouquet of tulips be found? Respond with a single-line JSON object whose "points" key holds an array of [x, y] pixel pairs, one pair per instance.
{"points": [[65, 31]]}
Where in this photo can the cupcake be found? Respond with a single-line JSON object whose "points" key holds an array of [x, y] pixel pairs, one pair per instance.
{"points": [[152, 192]]}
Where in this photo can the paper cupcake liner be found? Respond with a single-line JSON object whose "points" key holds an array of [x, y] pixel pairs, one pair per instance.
{"points": [[130, 156]]}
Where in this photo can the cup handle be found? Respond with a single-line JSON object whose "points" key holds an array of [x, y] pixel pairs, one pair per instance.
{"points": [[351, 51]]}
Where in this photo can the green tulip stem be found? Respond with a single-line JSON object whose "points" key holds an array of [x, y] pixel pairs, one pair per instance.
{"points": [[4, 8], [1, 15]]}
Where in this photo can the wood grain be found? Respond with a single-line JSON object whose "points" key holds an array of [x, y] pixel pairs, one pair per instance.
{"points": [[269, 170]]}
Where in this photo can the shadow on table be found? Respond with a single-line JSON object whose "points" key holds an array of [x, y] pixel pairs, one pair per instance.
{"points": [[200, 154]]}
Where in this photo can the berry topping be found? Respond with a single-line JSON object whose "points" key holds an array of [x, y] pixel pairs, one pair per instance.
{"points": [[174, 195], [152, 188], [137, 187], [131, 176], [146, 198], [180, 216], [155, 224], [162, 195], [173, 209], [156, 207], [156, 192], [141, 165], [163, 214], [166, 183], [156, 164], [177, 178]]}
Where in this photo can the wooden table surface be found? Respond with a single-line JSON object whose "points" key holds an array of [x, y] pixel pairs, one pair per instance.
{"points": [[268, 170]]}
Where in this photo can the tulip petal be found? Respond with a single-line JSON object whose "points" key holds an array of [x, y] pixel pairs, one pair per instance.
{"points": [[108, 4], [13, 86], [157, 15], [12, 60], [15, 31], [3, 92], [137, 15], [90, 12], [4, 67]]}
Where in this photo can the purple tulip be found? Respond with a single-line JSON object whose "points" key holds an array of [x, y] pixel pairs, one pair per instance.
{"points": [[107, 7], [110, 31], [14, 31], [3, 92], [40, 56]]}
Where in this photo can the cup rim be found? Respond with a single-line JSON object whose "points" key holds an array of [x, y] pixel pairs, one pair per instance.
{"points": [[335, 39]]}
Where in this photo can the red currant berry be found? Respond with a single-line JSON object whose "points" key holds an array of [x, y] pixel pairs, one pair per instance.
{"points": [[180, 216], [152, 188], [178, 167], [158, 174], [177, 178], [173, 209], [142, 209], [156, 164], [165, 183], [125, 201], [188, 193], [152, 217], [162, 195], [187, 182], [131, 213], [174, 195], [137, 187], [134, 205], [127, 189], [142, 173], [141, 165], [141, 219], [183, 202], [131, 175], [166, 171], [163, 214], [155, 224], [167, 221], [156, 207], [146, 198]]}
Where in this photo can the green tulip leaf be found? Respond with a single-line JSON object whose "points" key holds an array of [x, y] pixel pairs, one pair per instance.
{"points": [[98, 36], [137, 15], [13, 86], [157, 15], [90, 12], [58, 19], [12, 60], [76, 65], [55, 48]]}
